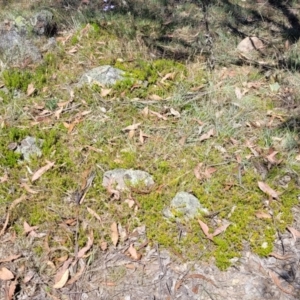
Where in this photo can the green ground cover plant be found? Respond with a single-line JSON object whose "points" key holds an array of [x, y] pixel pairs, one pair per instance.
{"points": [[228, 119]]}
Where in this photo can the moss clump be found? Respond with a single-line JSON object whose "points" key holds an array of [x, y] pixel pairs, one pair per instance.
{"points": [[9, 158], [144, 77], [15, 79]]}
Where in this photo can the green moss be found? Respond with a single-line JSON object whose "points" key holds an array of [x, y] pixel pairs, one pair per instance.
{"points": [[144, 78], [39, 250], [163, 167], [16, 79], [9, 158], [5, 97], [74, 40]]}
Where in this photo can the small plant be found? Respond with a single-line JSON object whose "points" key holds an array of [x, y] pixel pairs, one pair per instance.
{"points": [[16, 79]]}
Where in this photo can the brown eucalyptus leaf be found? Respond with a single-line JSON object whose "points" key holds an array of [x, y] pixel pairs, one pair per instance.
{"points": [[28, 228], [132, 127], [88, 245], [205, 229], [294, 232], [6, 274], [158, 115], [12, 289], [28, 188], [30, 89], [263, 215], [42, 170], [207, 135], [268, 190], [133, 253], [198, 174], [10, 258], [155, 97], [94, 214], [220, 229], [63, 280], [114, 233]]}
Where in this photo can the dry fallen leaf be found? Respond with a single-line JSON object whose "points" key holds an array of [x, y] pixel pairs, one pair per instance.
{"points": [[266, 189], [14, 203], [220, 229], [77, 275], [10, 258], [28, 189], [155, 97], [145, 111], [105, 92], [88, 245], [131, 134], [205, 230], [168, 76], [208, 171], [133, 253], [263, 215], [238, 93], [61, 283], [30, 89], [28, 276], [205, 173], [207, 135], [158, 115], [114, 233], [42, 170], [294, 232], [182, 140], [200, 276], [132, 127], [174, 112], [130, 202], [272, 159], [73, 50], [61, 273], [11, 290], [282, 257], [197, 171], [287, 289], [28, 228], [93, 213], [58, 112], [5, 274], [103, 246]]}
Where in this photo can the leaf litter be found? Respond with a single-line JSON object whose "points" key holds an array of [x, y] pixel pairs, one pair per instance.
{"points": [[202, 173]]}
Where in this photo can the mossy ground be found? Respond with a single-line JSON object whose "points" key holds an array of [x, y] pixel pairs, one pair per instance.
{"points": [[231, 192]]}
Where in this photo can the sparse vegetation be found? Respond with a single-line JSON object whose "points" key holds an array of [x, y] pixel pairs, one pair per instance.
{"points": [[228, 118]]}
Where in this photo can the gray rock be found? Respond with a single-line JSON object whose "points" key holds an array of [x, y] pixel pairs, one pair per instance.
{"points": [[249, 44], [30, 146], [121, 178], [15, 49], [43, 23], [104, 75], [185, 204], [50, 45]]}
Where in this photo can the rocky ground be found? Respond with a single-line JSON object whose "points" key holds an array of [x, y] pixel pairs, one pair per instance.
{"points": [[120, 150]]}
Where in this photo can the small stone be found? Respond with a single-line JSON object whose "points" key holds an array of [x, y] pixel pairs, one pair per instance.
{"points": [[30, 146], [184, 204], [121, 178], [104, 76]]}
